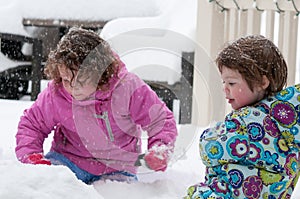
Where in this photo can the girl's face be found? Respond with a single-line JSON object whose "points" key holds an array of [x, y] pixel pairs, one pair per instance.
{"points": [[237, 91], [78, 90]]}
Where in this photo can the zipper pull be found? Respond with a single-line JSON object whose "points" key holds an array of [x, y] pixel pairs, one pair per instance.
{"points": [[104, 116]]}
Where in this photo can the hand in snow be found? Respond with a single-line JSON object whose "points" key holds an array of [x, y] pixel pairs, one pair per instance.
{"points": [[37, 158], [157, 158]]}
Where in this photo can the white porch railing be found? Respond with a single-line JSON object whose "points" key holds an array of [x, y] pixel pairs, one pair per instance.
{"points": [[220, 21]]}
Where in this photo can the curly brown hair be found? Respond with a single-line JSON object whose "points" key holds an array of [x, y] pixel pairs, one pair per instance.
{"points": [[253, 57], [83, 52]]}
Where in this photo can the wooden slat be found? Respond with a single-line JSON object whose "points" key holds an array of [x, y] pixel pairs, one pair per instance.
{"points": [[15, 37], [289, 43], [226, 26], [281, 31], [62, 23], [254, 21], [292, 59], [270, 19], [243, 23], [210, 37], [233, 24]]}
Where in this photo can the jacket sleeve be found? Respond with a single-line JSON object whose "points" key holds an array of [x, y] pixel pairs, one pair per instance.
{"points": [[248, 137], [284, 107], [34, 126], [154, 117]]}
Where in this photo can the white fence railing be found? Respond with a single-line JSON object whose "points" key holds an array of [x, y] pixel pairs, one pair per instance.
{"points": [[220, 21]]}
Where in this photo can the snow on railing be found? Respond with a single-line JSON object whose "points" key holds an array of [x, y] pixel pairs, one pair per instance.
{"points": [[220, 21]]}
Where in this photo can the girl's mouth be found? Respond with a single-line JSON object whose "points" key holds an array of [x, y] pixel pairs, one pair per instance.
{"points": [[230, 101]]}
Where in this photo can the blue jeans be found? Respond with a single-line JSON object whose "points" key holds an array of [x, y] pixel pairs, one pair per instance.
{"points": [[86, 177]]}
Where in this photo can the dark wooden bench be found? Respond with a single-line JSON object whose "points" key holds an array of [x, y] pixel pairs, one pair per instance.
{"points": [[14, 81], [181, 90]]}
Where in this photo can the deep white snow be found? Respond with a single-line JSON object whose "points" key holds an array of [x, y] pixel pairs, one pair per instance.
{"points": [[40, 181], [58, 182]]}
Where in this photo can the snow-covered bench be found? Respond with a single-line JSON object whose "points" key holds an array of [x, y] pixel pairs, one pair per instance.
{"points": [[160, 49], [47, 21]]}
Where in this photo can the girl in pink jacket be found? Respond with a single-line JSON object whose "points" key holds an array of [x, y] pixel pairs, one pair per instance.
{"points": [[97, 111]]}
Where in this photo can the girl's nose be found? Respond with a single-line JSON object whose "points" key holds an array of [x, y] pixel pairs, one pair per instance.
{"points": [[226, 90]]}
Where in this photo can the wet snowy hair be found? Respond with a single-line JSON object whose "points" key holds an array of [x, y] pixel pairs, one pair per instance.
{"points": [[253, 57], [85, 52]]}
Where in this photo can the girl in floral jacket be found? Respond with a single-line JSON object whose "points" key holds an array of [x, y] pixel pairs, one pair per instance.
{"points": [[254, 153], [97, 110]]}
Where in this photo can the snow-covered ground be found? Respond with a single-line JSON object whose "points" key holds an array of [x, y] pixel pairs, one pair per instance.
{"points": [[23, 181], [58, 182]]}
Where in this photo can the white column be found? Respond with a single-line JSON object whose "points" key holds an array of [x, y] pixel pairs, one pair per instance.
{"points": [[208, 97]]}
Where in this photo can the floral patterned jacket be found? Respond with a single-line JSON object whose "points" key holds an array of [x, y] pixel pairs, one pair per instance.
{"points": [[255, 152]]}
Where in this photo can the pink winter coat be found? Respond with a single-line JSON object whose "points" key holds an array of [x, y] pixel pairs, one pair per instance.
{"points": [[101, 135]]}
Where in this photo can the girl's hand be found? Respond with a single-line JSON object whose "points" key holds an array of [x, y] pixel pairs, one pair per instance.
{"points": [[157, 158], [37, 158]]}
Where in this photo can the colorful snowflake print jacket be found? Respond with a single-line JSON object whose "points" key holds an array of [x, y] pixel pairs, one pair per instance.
{"points": [[255, 152]]}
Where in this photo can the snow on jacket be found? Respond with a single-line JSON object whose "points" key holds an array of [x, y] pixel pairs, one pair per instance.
{"points": [[100, 135], [255, 152]]}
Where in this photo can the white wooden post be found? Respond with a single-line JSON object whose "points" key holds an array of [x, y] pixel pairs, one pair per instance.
{"points": [[270, 19], [287, 42], [234, 23], [254, 21], [243, 23], [208, 98]]}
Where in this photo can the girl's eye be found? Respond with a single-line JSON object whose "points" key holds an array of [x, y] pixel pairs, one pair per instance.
{"points": [[66, 81], [229, 83]]}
